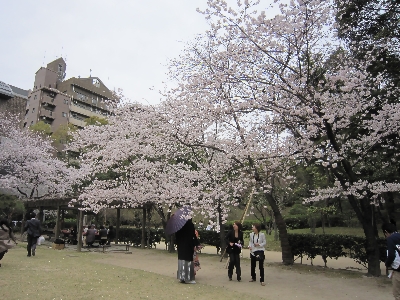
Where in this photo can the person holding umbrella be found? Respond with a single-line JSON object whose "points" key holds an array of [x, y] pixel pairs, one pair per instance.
{"points": [[181, 224]]}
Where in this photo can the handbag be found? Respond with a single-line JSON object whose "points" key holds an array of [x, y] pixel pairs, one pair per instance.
{"points": [[259, 255]]}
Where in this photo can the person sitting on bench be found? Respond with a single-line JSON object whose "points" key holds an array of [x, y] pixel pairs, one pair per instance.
{"points": [[90, 236]]}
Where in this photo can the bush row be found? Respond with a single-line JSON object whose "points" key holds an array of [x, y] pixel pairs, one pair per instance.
{"points": [[333, 246], [303, 245], [134, 236]]}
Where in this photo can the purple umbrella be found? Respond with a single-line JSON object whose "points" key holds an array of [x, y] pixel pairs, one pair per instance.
{"points": [[178, 220]]}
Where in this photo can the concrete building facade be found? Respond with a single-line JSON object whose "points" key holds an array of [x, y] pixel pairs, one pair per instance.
{"points": [[13, 100], [57, 101]]}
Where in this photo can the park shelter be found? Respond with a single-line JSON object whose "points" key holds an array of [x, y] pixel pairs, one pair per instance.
{"points": [[62, 204]]}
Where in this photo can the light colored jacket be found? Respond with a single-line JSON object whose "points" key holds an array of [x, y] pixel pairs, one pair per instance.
{"points": [[257, 239]]}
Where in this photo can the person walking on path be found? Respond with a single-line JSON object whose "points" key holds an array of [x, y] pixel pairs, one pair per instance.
{"points": [[32, 227], [234, 248], [257, 247], [186, 242], [6, 235], [393, 257]]}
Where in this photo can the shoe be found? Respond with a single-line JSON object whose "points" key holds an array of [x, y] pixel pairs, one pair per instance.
{"points": [[253, 280], [263, 283], [230, 278], [182, 281], [239, 280], [33, 252], [28, 255], [191, 282]]}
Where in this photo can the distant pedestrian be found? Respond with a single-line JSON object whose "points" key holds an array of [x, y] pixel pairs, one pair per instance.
{"points": [[32, 227], [235, 243], [393, 257], [6, 235]]}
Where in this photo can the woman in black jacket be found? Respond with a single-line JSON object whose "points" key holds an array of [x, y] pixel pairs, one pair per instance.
{"points": [[234, 248]]}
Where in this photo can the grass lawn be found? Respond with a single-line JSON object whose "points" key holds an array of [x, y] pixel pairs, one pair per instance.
{"points": [[54, 274]]}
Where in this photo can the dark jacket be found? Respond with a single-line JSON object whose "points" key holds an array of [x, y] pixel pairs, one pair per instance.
{"points": [[103, 233], [111, 234], [393, 248], [32, 227], [186, 240], [230, 238]]}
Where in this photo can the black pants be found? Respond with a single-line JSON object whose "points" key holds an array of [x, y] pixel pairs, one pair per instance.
{"points": [[31, 243], [234, 261], [253, 268]]}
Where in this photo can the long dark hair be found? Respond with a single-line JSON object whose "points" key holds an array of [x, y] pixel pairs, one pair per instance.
{"points": [[239, 225], [5, 222]]}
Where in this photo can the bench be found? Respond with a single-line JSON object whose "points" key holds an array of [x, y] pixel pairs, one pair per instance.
{"points": [[127, 246]]}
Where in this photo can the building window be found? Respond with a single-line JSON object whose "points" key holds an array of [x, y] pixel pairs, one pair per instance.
{"points": [[65, 101], [49, 85], [64, 114], [59, 67], [31, 123], [24, 124], [33, 110], [35, 97], [27, 111]]}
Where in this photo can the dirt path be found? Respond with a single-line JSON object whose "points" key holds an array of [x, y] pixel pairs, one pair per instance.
{"points": [[303, 283]]}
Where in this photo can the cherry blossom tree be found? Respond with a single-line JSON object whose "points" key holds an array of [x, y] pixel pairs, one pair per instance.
{"points": [[28, 164], [286, 89], [135, 161]]}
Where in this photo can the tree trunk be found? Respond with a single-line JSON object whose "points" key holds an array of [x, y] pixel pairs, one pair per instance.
{"points": [[312, 224], [143, 240], [372, 250], [80, 231], [117, 225], [287, 256], [171, 245], [222, 239], [366, 217]]}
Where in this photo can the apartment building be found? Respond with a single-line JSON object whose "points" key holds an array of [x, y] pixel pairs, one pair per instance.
{"points": [[57, 101], [13, 100]]}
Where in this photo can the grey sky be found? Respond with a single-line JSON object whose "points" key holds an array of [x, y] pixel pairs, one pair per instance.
{"points": [[125, 43]]}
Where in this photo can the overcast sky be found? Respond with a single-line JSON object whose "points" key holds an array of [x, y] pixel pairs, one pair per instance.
{"points": [[126, 43]]}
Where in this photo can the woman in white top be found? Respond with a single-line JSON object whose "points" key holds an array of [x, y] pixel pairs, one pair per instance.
{"points": [[257, 246]]}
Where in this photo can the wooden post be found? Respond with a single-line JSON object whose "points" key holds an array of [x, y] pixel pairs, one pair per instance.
{"points": [[80, 231], [57, 229], [117, 227], [143, 241]]}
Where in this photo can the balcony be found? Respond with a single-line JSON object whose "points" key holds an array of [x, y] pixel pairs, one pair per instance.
{"points": [[85, 112], [47, 101], [47, 113], [77, 122]]}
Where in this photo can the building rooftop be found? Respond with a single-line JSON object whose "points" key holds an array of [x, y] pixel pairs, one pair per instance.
{"points": [[5, 90], [19, 92]]}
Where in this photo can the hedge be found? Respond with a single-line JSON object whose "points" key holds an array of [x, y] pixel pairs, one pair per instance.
{"points": [[134, 236], [333, 246]]}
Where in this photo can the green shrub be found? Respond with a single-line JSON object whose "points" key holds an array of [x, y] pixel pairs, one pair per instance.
{"points": [[333, 246], [298, 209], [297, 222], [134, 236]]}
